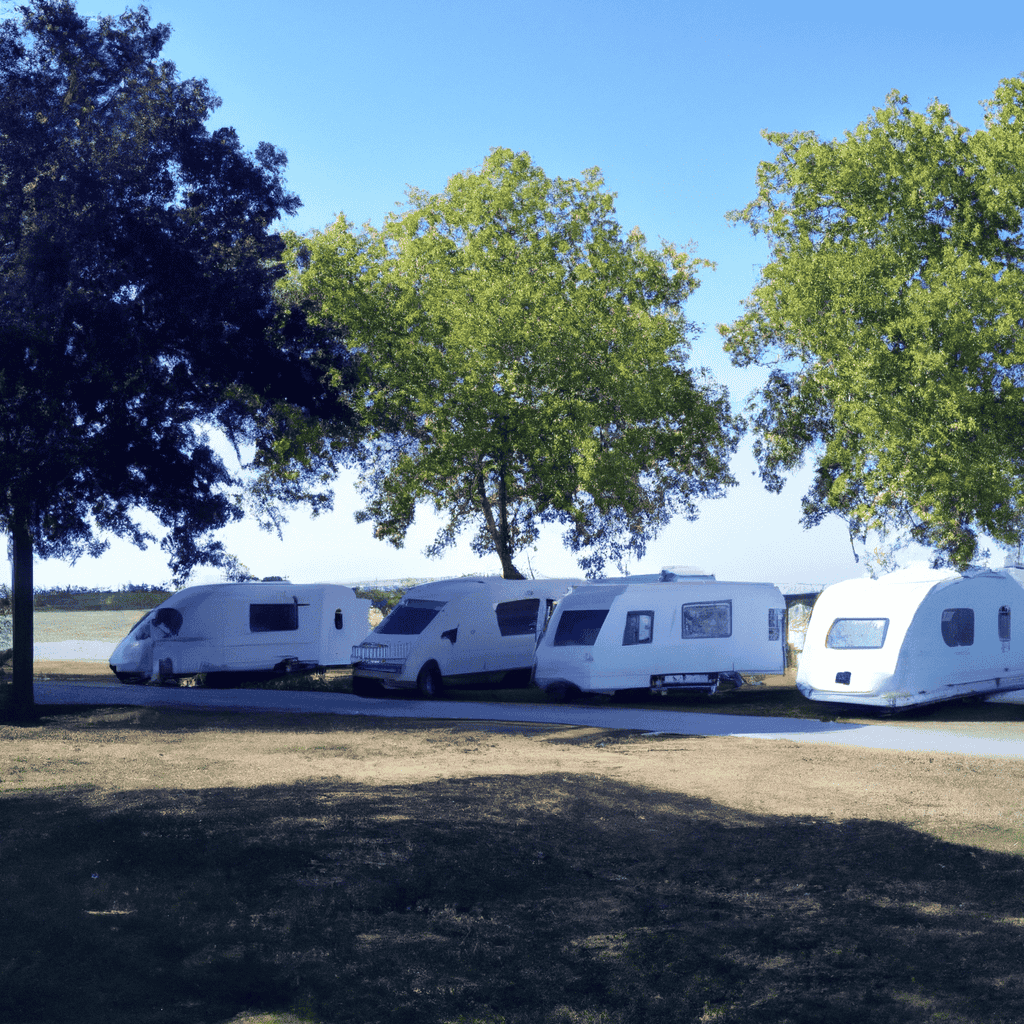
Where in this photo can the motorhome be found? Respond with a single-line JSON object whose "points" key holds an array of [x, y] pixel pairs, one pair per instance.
{"points": [[685, 632], [474, 630], [915, 636], [226, 631]]}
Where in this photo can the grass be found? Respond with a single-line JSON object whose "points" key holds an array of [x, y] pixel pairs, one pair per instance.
{"points": [[196, 867]]}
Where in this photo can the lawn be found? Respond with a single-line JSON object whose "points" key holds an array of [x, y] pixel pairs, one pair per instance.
{"points": [[163, 866]]}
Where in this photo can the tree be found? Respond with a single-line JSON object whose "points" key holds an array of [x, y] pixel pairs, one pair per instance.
{"points": [[891, 313], [137, 307], [525, 363]]}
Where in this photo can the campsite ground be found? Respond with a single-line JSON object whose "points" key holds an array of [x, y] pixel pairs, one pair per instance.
{"points": [[192, 866], [173, 866]]}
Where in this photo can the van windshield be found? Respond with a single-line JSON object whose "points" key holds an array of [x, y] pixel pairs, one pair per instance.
{"points": [[857, 634], [579, 628], [411, 617]]}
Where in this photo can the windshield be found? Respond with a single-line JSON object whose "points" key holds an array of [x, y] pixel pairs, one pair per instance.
{"points": [[579, 628], [411, 617]]}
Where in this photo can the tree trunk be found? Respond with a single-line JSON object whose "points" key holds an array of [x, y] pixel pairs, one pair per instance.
{"points": [[22, 703], [499, 534]]}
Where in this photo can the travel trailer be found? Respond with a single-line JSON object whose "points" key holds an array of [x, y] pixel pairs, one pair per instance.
{"points": [[915, 636], [686, 632], [229, 630], [476, 630]]}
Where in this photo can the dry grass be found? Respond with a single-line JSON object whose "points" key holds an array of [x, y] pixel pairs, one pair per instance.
{"points": [[199, 867]]}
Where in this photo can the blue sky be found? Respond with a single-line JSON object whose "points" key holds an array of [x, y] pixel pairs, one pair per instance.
{"points": [[668, 99]]}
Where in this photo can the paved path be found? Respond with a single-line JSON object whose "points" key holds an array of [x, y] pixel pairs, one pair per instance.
{"points": [[978, 738]]}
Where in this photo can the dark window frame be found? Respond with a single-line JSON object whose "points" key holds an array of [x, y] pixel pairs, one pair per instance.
{"points": [[515, 618], [275, 617], [579, 627], [957, 625]]}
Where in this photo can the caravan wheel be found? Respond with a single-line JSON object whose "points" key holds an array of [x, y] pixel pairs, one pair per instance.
{"points": [[429, 682]]}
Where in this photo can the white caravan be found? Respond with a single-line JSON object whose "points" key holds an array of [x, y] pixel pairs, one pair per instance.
{"points": [[687, 632], [915, 636], [226, 629], [471, 630]]}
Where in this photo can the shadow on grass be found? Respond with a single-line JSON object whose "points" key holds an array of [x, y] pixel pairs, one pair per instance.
{"points": [[561, 899]]}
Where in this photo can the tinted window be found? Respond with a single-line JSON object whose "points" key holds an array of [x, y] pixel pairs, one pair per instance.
{"points": [[518, 618], [1004, 623], [857, 634], [958, 627], [579, 628], [701, 621], [411, 617], [775, 618], [639, 628], [273, 618], [339, 619]]}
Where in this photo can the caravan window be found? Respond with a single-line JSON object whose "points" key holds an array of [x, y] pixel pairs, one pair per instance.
{"points": [[1004, 623], [639, 628], [518, 618], [273, 618], [857, 634], [703, 621], [411, 617], [775, 619], [958, 627], [579, 628]]}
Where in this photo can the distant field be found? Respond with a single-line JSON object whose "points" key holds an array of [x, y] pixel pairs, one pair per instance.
{"points": [[52, 627]]}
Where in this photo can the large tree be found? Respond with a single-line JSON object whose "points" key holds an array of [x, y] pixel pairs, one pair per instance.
{"points": [[526, 362], [137, 307], [892, 314]]}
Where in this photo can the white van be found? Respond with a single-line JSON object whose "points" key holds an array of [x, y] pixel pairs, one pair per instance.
{"points": [[687, 633], [475, 630], [915, 636], [227, 629]]}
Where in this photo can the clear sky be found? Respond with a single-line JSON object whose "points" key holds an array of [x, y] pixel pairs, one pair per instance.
{"points": [[667, 98]]}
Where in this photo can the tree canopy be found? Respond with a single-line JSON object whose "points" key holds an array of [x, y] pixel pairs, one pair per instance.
{"points": [[525, 363], [891, 315], [137, 304]]}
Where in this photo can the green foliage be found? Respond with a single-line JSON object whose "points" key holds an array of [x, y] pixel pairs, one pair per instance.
{"points": [[137, 307], [525, 362], [890, 314]]}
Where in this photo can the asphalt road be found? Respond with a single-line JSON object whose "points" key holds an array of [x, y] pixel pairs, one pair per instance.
{"points": [[977, 738]]}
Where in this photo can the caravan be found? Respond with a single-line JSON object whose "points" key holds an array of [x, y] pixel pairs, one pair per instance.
{"points": [[915, 636], [473, 630], [228, 630], [688, 631]]}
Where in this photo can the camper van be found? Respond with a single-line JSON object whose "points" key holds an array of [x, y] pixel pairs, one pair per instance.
{"points": [[228, 630], [475, 630], [915, 636], [686, 632]]}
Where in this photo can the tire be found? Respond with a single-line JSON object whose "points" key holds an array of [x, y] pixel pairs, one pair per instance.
{"points": [[429, 682], [563, 693], [363, 687]]}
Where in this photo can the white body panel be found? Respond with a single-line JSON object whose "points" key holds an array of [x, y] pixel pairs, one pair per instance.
{"points": [[686, 634], [243, 627], [466, 629], [927, 617]]}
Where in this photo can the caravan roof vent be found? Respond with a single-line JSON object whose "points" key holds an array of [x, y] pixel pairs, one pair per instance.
{"points": [[677, 573]]}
